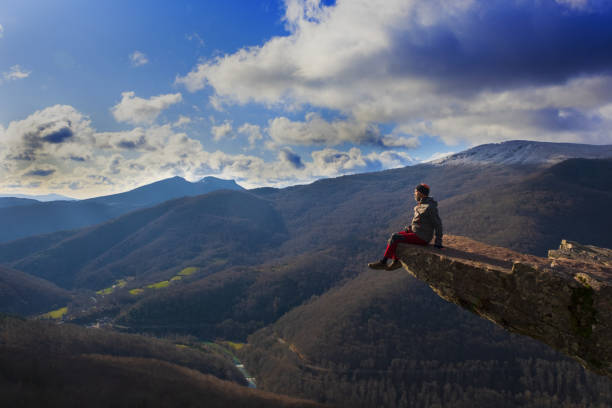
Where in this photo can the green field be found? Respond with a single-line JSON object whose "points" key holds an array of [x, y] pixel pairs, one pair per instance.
{"points": [[158, 285], [107, 291], [55, 314], [188, 271], [234, 345]]}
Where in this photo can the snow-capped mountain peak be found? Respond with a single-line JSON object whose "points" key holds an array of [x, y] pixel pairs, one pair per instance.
{"points": [[526, 152]]}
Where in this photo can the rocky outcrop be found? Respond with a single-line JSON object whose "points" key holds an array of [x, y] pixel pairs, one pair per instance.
{"points": [[585, 253], [564, 301]]}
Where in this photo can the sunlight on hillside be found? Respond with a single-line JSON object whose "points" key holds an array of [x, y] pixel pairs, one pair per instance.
{"points": [[159, 285], [188, 271], [55, 314], [234, 345], [107, 291]]}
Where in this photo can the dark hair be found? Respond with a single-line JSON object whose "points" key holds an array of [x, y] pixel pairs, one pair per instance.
{"points": [[423, 189]]}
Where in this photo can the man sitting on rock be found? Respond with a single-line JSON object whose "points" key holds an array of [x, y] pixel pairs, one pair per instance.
{"points": [[425, 222]]}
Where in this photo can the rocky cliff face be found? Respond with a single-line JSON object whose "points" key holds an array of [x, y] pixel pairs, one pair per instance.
{"points": [[564, 300]]}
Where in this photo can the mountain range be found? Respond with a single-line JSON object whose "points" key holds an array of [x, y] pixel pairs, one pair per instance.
{"points": [[25, 218], [522, 152], [284, 270], [45, 197]]}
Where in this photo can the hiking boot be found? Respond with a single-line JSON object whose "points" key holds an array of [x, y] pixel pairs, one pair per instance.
{"points": [[377, 265], [396, 264]]}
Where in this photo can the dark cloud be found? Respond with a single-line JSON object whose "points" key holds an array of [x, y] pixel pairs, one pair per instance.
{"points": [[98, 179], [136, 166], [336, 157], [290, 157], [566, 120], [77, 158], [40, 173], [115, 165], [500, 43], [59, 136], [126, 144], [132, 144], [33, 141], [27, 155]]}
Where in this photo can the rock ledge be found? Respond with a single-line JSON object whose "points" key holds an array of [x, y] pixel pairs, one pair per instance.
{"points": [[564, 301]]}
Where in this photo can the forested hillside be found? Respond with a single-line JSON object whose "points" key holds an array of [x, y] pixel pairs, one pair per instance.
{"points": [[570, 200], [42, 364], [385, 339], [24, 294], [286, 268]]}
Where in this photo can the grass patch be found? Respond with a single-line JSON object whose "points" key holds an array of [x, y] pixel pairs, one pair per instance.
{"points": [[55, 314], [159, 285], [234, 345], [107, 291], [188, 271]]}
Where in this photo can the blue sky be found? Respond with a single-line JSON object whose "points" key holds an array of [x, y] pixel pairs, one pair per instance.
{"points": [[101, 97]]}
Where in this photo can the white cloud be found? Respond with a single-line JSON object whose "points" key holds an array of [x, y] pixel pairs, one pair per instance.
{"points": [[16, 72], [195, 37], [425, 66], [253, 132], [316, 130], [390, 159], [134, 139], [571, 112], [182, 121], [323, 56], [138, 58], [136, 110], [221, 131], [216, 102], [331, 162], [1, 31], [394, 140], [51, 138], [328, 162], [57, 150]]}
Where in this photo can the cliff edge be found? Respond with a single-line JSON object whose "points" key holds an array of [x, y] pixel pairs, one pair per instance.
{"points": [[564, 300]]}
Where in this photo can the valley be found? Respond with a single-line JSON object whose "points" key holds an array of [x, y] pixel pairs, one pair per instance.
{"points": [[275, 281]]}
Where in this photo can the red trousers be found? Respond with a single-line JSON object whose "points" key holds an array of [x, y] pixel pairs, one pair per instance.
{"points": [[401, 237]]}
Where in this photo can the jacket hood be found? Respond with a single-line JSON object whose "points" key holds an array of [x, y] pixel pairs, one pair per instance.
{"points": [[429, 200]]}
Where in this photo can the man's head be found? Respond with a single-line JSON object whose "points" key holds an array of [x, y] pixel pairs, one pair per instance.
{"points": [[421, 191]]}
